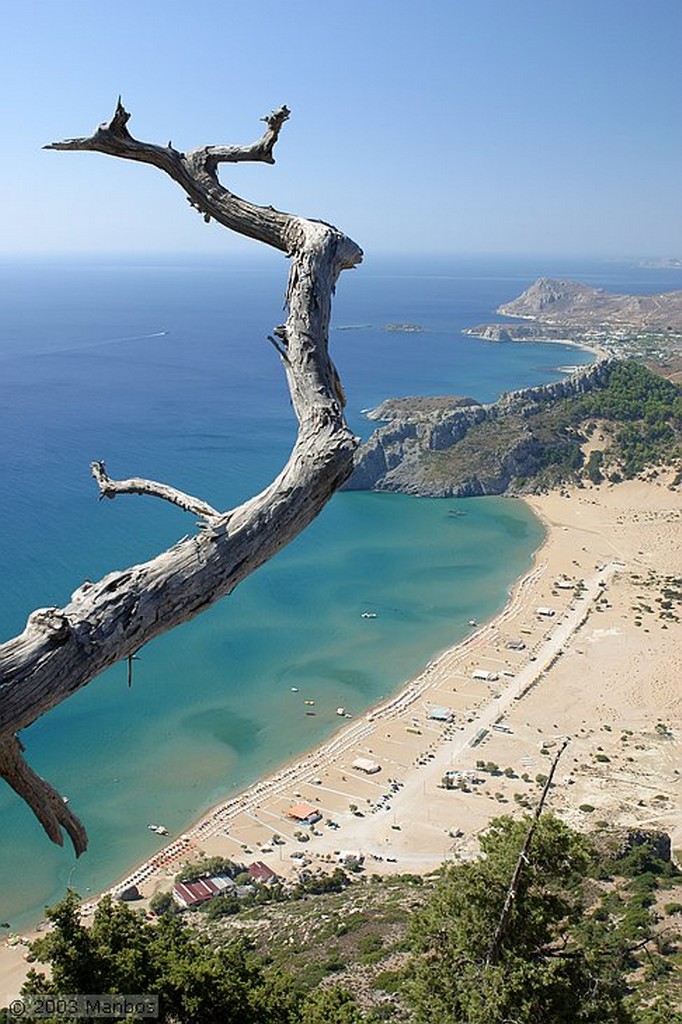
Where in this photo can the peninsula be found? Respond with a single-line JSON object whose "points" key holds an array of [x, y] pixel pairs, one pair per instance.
{"points": [[648, 327], [611, 420]]}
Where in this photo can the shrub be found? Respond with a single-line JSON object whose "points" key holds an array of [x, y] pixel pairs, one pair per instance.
{"points": [[163, 903]]}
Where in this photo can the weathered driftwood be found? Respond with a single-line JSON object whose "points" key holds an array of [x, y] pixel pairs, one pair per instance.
{"points": [[63, 649]]}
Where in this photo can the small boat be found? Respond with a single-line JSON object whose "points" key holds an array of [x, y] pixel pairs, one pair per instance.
{"points": [[294, 689], [341, 712], [311, 703], [472, 622], [311, 714], [160, 830], [368, 615]]}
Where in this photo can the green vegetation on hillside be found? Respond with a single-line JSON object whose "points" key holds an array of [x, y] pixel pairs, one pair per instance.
{"points": [[636, 414], [567, 951], [626, 421], [645, 411], [196, 980]]}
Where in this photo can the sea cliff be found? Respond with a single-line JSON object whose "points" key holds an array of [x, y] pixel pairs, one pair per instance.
{"points": [[429, 447]]}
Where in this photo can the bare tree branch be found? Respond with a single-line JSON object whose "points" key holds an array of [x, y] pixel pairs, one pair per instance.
{"points": [[137, 485], [196, 173], [46, 803], [260, 150], [63, 649]]}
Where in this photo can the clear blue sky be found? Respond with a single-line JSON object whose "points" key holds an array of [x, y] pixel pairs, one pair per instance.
{"points": [[529, 126]]}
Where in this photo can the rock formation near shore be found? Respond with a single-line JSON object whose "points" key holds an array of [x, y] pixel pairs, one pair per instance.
{"points": [[428, 446]]}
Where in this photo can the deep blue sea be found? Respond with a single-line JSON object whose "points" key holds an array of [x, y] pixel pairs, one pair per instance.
{"points": [[160, 366]]}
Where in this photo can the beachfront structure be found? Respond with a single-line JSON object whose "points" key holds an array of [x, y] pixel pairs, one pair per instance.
{"points": [[363, 764], [483, 675], [191, 894], [304, 812], [350, 858], [546, 612], [260, 872], [439, 714]]}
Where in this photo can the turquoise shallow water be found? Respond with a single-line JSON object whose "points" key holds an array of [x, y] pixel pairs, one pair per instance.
{"points": [[162, 368], [211, 705]]}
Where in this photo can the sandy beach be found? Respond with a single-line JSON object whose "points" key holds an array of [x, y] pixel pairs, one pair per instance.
{"points": [[600, 664]]}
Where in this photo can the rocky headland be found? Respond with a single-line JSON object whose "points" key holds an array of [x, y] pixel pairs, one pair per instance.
{"points": [[526, 441], [458, 447]]}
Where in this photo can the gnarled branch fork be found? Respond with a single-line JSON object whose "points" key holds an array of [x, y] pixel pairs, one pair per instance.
{"points": [[63, 649]]}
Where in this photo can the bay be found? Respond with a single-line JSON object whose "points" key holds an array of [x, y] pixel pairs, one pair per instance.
{"points": [[161, 366]]}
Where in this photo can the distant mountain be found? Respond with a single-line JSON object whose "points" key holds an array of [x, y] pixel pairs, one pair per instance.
{"points": [[571, 303]]}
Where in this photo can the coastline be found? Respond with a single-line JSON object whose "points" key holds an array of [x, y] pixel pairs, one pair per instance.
{"points": [[414, 750], [616, 544], [598, 351], [233, 824]]}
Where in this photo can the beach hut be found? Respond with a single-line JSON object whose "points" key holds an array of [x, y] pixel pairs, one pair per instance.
{"points": [[483, 675], [468, 775], [191, 894], [304, 812], [260, 872], [363, 764], [439, 714], [350, 859]]}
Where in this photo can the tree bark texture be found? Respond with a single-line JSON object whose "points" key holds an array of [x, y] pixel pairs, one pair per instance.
{"points": [[63, 649]]}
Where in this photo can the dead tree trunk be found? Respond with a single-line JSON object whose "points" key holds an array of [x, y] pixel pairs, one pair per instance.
{"points": [[63, 649]]}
